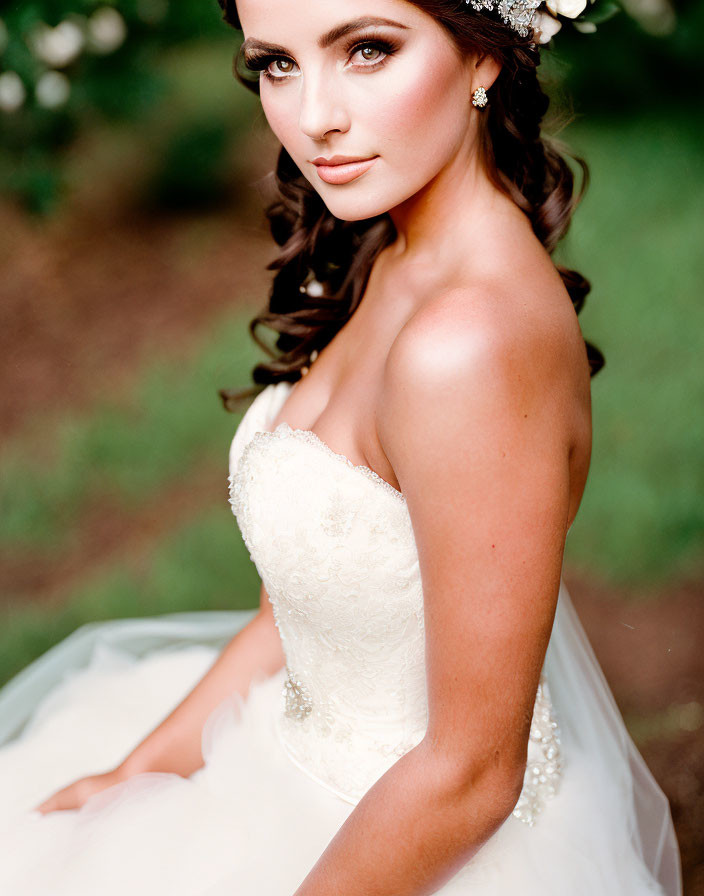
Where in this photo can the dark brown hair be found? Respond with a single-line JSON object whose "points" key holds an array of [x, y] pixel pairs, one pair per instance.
{"points": [[530, 167]]}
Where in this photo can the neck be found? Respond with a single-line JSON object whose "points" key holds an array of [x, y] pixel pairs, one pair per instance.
{"points": [[451, 212]]}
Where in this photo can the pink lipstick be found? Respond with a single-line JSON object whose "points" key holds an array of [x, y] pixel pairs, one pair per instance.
{"points": [[342, 169]]}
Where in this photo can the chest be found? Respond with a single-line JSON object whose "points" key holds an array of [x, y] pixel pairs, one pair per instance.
{"points": [[339, 397]]}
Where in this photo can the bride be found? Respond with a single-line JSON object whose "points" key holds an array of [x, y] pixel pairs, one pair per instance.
{"points": [[414, 708]]}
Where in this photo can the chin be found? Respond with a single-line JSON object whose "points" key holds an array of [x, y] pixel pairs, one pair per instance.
{"points": [[357, 211], [366, 204]]}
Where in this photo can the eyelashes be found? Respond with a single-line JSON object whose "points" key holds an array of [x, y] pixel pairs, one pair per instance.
{"points": [[260, 61]]}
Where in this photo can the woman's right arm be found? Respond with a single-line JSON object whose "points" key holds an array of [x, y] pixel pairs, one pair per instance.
{"points": [[175, 745]]}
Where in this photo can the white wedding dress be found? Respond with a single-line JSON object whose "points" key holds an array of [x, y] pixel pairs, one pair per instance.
{"points": [[334, 546]]}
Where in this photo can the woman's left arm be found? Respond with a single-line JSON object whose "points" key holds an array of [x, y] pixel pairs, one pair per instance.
{"points": [[474, 420]]}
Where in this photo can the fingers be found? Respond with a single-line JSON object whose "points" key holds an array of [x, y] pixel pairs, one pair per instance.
{"points": [[56, 802], [76, 794], [47, 806]]}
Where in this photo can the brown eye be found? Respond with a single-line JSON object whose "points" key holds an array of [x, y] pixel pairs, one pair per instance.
{"points": [[285, 66], [370, 54]]}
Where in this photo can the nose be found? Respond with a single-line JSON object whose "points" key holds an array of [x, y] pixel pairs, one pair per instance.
{"points": [[322, 107]]}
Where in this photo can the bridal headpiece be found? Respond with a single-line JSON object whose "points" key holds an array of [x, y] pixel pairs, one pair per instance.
{"points": [[542, 18]]}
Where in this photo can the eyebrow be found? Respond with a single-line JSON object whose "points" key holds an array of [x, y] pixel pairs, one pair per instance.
{"points": [[327, 39]]}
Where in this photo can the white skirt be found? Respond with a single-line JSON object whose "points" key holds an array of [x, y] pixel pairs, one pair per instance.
{"points": [[251, 823]]}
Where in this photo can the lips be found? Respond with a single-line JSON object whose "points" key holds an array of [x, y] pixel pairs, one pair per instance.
{"points": [[342, 169], [339, 160]]}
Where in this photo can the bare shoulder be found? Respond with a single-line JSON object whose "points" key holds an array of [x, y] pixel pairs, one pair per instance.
{"points": [[488, 355], [482, 332]]}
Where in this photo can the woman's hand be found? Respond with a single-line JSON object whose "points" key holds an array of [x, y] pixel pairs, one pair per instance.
{"points": [[76, 794], [175, 745]]}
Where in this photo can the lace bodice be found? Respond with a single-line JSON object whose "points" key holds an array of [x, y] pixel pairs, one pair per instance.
{"points": [[334, 546]]}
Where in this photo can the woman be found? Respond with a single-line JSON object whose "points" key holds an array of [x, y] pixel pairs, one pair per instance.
{"points": [[414, 708]]}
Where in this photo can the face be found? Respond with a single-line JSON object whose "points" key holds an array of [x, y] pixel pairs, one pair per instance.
{"points": [[379, 82]]}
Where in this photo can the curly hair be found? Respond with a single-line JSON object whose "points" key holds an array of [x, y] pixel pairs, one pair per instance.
{"points": [[526, 165]]}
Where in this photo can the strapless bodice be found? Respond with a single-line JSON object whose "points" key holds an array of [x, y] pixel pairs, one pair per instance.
{"points": [[334, 546]]}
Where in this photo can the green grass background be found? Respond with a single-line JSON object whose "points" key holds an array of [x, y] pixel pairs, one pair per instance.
{"points": [[637, 237]]}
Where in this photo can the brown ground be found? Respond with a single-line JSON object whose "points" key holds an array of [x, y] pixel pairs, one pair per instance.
{"points": [[85, 298], [83, 301]]}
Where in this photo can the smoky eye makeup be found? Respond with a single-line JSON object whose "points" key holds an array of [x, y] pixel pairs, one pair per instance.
{"points": [[260, 60]]}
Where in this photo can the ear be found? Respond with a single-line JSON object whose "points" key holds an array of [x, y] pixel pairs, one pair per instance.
{"points": [[485, 71]]}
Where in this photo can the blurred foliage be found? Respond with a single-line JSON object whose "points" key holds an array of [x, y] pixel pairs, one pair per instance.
{"points": [[67, 64], [632, 65], [193, 168]]}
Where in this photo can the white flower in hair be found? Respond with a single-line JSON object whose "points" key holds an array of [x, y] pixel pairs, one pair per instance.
{"points": [[526, 16], [569, 8], [545, 26]]}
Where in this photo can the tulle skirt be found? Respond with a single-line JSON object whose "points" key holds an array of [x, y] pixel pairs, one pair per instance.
{"points": [[250, 822]]}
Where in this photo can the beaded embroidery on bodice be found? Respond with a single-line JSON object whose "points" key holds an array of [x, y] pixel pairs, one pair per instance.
{"points": [[333, 543]]}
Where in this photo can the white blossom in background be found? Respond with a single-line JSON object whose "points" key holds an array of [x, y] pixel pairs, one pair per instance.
{"points": [[58, 46], [106, 30], [4, 36], [12, 91], [52, 90]]}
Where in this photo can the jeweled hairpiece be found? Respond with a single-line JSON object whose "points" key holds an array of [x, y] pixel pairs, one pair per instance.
{"points": [[517, 14], [540, 17]]}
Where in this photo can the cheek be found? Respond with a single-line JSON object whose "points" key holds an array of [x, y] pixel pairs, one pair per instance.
{"points": [[423, 116], [280, 113]]}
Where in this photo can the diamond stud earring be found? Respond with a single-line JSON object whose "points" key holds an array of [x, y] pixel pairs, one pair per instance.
{"points": [[479, 98]]}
